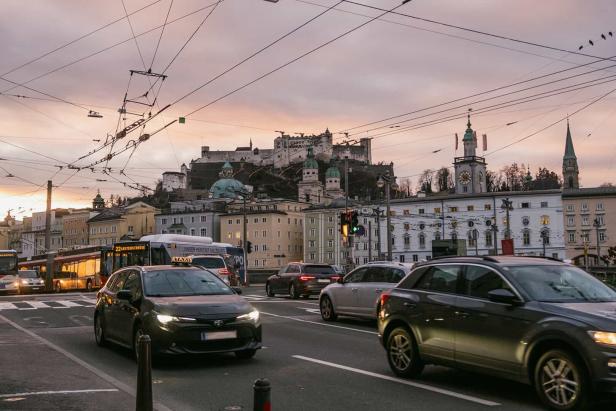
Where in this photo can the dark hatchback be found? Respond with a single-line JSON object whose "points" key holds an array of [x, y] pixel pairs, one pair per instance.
{"points": [[184, 309], [301, 279], [533, 320]]}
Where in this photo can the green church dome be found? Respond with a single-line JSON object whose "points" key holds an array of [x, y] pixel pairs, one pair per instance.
{"points": [[310, 162], [332, 172]]}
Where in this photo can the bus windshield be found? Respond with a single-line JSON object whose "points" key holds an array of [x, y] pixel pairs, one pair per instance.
{"points": [[8, 263]]}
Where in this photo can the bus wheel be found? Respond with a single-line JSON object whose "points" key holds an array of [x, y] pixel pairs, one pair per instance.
{"points": [[89, 285], [57, 287]]}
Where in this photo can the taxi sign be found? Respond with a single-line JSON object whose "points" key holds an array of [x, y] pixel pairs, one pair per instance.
{"points": [[181, 260]]}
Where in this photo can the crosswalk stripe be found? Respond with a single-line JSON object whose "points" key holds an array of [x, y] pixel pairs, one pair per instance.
{"points": [[35, 305]]}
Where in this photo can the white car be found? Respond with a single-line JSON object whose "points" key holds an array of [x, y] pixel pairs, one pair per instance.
{"points": [[358, 293]]}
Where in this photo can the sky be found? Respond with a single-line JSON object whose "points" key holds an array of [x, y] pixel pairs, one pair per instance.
{"points": [[388, 67]]}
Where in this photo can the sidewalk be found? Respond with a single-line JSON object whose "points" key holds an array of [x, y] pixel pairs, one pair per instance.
{"points": [[35, 376]]}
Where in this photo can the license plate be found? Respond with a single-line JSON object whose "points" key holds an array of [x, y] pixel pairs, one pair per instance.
{"points": [[1, 286], [36, 288], [325, 280], [218, 335]]}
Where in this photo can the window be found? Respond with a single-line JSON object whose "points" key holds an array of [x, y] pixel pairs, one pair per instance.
{"points": [[600, 207], [264, 263], [256, 247], [228, 222], [570, 221], [356, 276], [545, 235], [585, 220], [193, 231], [545, 220], [163, 221], [526, 237], [330, 231], [525, 205], [585, 236], [572, 236], [570, 207], [330, 219], [441, 278], [601, 236], [401, 258], [406, 212], [437, 235], [544, 204], [264, 233], [264, 247], [454, 235], [203, 218], [130, 229], [313, 232], [264, 220], [238, 221], [489, 238], [472, 240], [330, 243], [256, 220], [487, 207], [192, 219], [422, 240], [422, 211], [437, 210], [392, 213], [415, 257], [407, 241], [407, 226], [600, 220], [479, 281], [330, 255], [311, 220], [311, 243], [256, 263], [203, 232], [470, 208], [453, 209]]}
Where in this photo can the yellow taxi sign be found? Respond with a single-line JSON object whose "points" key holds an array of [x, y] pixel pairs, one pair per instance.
{"points": [[181, 260]]}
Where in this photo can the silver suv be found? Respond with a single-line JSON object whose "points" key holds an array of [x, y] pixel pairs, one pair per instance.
{"points": [[358, 293]]}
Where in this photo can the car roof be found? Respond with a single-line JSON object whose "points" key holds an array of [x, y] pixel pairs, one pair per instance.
{"points": [[500, 260], [207, 256], [150, 268]]}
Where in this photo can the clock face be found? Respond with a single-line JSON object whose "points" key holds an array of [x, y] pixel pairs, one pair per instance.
{"points": [[465, 177]]}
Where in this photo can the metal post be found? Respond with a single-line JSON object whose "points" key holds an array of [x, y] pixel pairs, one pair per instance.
{"points": [[378, 232], [245, 241], [49, 265], [369, 240], [144, 374], [596, 224], [543, 241], [388, 198], [262, 395], [476, 238]]}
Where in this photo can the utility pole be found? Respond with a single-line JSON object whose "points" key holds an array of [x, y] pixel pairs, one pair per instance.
{"points": [[597, 224], [349, 239], [369, 240], [386, 181], [49, 266], [244, 239]]}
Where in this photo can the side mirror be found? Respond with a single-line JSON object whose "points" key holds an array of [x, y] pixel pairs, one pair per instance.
{"points": [[503, 296], [237, 290], [126, 295]]}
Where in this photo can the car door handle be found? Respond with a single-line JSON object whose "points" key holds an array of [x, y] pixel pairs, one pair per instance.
{"points": [[462, 314], [410, 305]]}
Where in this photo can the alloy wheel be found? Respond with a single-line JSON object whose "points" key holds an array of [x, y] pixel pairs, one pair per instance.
{"points": [[400, 352], [327, 311], [560, 382]]}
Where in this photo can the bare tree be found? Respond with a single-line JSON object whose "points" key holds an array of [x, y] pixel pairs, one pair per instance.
{"points": [[444, 179], [425, 181]]}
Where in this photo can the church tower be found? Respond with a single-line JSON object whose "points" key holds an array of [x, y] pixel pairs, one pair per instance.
{"points": [[332, 182], [310, 189], [471, 169], [98, 203], [571, 171]]}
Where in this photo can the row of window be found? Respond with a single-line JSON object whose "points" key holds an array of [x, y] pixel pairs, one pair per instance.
{"points": [[264, 220], [180, 220], [585, 237], [192, 232], [600, 219], [106, 229], [455, 209], [584, 207]]}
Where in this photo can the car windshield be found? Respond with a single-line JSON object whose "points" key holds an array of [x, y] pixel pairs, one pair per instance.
{"points": [[319, 269], [558, 283], [28, 274], [209, 262], [169, 283]]}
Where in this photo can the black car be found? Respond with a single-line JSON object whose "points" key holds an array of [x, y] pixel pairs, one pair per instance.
{"points": [[533, 320], [184, 309], [301, 279]]}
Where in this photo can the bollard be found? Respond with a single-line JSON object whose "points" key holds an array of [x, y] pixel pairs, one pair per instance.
{"points": [[144, 374], [262, 400]]}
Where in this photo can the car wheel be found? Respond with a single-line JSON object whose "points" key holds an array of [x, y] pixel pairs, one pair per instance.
{"points": [[561, 382], [268, 290], [245, 354], [136, 334], [99, 331], [89, 286], [293, 292], [327, 309], [57, 287], [402, 353]]}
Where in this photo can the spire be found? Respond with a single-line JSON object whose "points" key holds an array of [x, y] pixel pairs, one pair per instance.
{"points": [[251, 143], [569, 151], [469, 134]]}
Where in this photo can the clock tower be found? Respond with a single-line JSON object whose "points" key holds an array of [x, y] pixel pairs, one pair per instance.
{"points": [[471, 169]]}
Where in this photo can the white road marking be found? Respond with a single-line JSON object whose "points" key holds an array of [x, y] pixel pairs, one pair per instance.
{"points": [[318, 323], [111, 380], [310, 310], [401, 381], [26, 394], [36, 305]]}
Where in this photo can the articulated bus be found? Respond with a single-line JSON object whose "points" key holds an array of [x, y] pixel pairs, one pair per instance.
{"points": [[158, 249], [83, 268], [8, 270]]}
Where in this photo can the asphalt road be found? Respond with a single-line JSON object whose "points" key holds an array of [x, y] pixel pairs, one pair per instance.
{"points": [[51, 362]]}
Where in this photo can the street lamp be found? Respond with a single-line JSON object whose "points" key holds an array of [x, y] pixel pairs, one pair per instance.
{"points": [[596, 223], [386, 181]]}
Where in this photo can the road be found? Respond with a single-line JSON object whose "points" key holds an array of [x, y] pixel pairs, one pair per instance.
{"points": [[50, 361]]}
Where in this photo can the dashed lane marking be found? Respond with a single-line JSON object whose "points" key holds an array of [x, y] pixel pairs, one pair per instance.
{"points": [[27, 394], [37, 305], [401, 381]]}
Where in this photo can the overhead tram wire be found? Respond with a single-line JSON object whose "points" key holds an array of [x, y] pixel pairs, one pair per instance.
{"points": [[162, 31], [344, 34], [107, 48]]}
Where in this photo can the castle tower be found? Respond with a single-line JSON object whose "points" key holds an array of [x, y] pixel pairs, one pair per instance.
{"points": [[470, 170], [571, 171]]}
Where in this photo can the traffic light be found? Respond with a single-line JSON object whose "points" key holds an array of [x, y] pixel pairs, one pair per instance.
{"points": [[248, 247], [354, 222], [344, 224]]}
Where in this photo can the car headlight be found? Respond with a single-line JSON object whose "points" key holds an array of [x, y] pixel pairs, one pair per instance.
{"points": [[602, 337], [251, 316], [24, 282], [164, 318]]}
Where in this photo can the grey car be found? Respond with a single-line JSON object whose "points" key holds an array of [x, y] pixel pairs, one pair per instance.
{"points": [[358, 293]]}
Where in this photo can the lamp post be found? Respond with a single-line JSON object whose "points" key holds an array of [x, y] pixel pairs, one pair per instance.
{"points": [[245, 193], [386, 181], [377, 211], [543, 240], [596, 223], [507, 205], [475, 240]]}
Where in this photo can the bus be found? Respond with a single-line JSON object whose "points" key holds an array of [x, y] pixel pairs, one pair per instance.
{"points": [[158, 249], [8, 270], [79, 269]]}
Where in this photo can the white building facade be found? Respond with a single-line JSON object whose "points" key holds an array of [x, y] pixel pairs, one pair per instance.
{"points": [[534, 217]]}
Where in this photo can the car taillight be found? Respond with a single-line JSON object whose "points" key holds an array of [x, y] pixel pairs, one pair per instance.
{"points": [[335, 278], [384, 299], [306, 277], [224, 271]]}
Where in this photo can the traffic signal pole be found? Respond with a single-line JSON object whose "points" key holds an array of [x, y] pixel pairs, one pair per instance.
{"points": [[244, 241]]}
